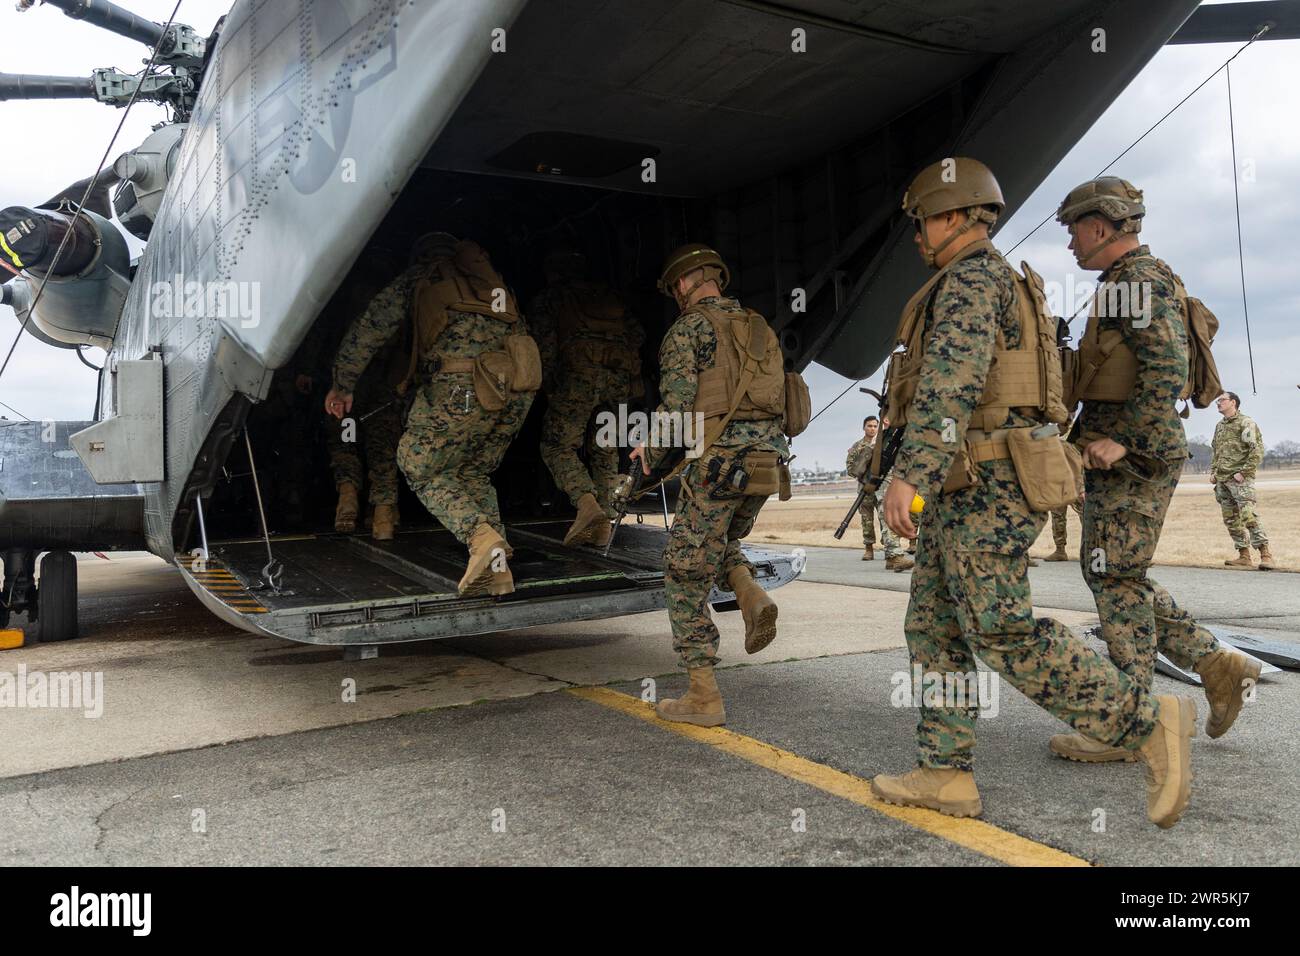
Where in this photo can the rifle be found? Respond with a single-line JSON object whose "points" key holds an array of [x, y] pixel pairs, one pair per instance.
{"points": [[893, 439], [634, 483]]}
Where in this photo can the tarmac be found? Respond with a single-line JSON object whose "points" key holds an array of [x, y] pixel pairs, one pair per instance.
{"points": [[540, 746]]}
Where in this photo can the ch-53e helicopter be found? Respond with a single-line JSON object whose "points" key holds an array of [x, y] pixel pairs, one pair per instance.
{"points": [[308, 135]]}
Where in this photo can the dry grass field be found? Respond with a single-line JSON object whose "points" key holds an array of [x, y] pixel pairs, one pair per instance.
{"points": [[1193, 534]]}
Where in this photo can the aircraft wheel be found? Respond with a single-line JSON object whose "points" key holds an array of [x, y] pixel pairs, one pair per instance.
{"points": [[56, 598]]}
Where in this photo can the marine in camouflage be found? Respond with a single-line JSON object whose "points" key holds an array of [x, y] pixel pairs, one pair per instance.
{"points": [[1238, 449], [1122, 516], [970, 593], [451, 445], [577, 386], [704, 543]]}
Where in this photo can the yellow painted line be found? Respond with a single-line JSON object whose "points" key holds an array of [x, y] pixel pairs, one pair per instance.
{"points": [[983, 838]]}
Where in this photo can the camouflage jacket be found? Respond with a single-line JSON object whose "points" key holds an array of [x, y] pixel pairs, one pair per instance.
{"points": [[856, 450], [541, 319], [971, 303], [465, 336], [688, 349], [1148, 422], [1238, 447]]}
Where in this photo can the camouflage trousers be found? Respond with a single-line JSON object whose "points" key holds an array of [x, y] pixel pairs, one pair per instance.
{"points": [[379, 433], [451, 447], [970, 599], [894, 546], [582, 392], [1122, 518], [703, 547], [1059, 537], [1237, 502]]}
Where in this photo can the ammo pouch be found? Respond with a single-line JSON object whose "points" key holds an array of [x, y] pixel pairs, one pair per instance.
{"points": [[783, 480], [497, 374], [732, 474], [1047, 474], [798, 404], [525, 362]]}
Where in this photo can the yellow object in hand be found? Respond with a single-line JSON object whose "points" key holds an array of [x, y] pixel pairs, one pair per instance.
{"points": [[918, 503]]}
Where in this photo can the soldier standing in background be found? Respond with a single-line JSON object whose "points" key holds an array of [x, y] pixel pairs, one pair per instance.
{"points": [[970, 594], [1135, 349], [1059, 536], [701, 372], [896, 556], [472, 365], [591, 359], [857, 464], [1238, 449]]}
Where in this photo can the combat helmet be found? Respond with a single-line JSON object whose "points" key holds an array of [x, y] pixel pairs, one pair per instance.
{"points": [[1115, 199], [688, 258], [432, 245], [957, 182]]}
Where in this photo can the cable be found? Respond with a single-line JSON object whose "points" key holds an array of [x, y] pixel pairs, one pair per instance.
{"points": [[1264, 29], [1241, 260], [16, 412], [834, 400], [90, 187]]}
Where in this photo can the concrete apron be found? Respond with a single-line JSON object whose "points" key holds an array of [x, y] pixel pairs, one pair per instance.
{"points": [[174, 677]]}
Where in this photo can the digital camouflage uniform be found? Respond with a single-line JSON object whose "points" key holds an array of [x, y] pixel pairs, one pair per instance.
{"points": [[1238, 449], [970, 591], [704, 543], [376, 400], [873, 505], [1059, 526], [1122, 515], [576, 388], [451, 445]]}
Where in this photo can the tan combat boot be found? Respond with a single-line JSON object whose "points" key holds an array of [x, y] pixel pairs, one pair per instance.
{"points": [[899, 562], [1226, 677], [868, 553], [345, 515], [1167, 754], [1057, 555], [1265, 558], [756, 607], [944, 789], [1086, 750], [591, 517], [384, 523], [486, 548], [700, 705], [1242, 560]]}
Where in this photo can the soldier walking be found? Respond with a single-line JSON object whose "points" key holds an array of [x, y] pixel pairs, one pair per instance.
{"points": [[591, 359], [720, 362], [970, 594], [1135, 351], [1238, 449], [476, 370]]}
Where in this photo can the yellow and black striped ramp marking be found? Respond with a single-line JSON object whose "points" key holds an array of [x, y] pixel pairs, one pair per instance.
{"points": [[228, 589], [983, 838]]}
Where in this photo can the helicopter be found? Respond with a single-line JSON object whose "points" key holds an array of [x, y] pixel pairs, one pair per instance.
{"points": [[309, 139]]}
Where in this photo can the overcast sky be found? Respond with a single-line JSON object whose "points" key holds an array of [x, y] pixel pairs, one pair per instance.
{"points": [[1184, 167]]}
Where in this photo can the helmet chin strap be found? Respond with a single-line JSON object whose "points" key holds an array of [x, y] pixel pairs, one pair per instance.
{"points": [[1130, 227], [684, 298], [973, 216]]}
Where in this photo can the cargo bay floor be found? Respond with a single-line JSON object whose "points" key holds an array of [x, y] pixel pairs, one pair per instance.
{"points": [[535, 746]]}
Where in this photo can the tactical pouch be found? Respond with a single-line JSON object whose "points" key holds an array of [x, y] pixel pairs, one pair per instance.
{"points": [[783, 480], [492, 377], [764, 468], [525, 363], [798, 404], [962, 474], [1043, 468]]}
